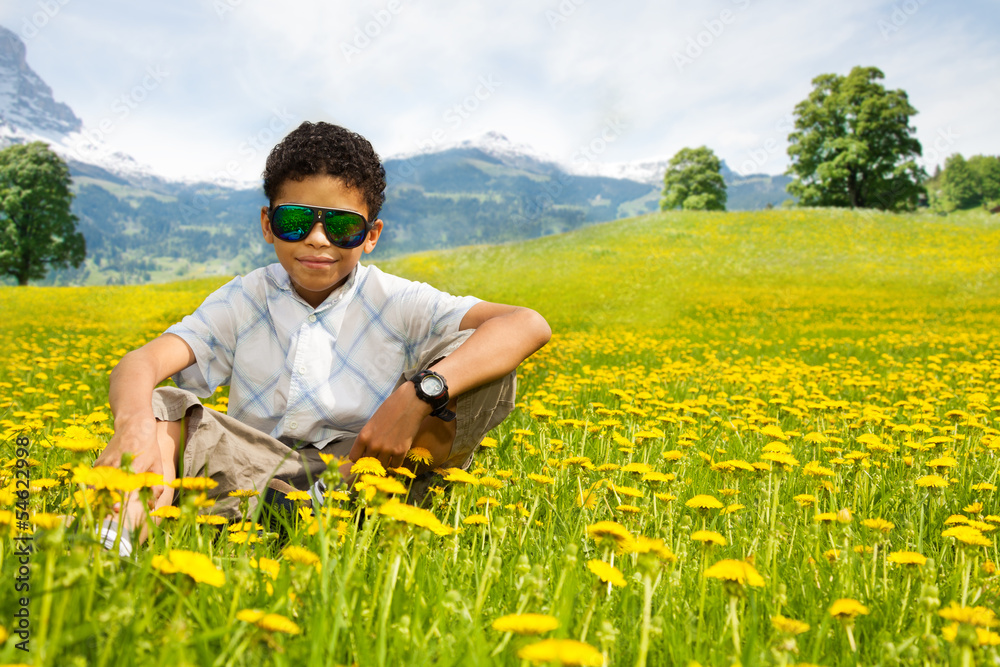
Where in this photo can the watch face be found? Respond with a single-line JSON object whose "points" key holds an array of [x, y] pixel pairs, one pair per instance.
{"points": [[431, 385]]}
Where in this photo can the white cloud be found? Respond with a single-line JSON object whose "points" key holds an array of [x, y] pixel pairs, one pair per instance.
{"points": [[560, 71]]}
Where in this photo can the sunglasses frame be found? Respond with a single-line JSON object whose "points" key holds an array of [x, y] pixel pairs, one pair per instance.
{"points": [[319, 215]]}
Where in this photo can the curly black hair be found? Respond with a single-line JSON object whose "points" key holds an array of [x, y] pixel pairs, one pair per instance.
{"points": [[324, 148]]}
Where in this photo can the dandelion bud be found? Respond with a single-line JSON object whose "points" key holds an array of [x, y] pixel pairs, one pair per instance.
{"points": [[844, 516], [523, 566], [929, 597]]}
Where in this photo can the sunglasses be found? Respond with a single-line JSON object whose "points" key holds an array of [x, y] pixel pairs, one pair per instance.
{"points": [[293, 222]]}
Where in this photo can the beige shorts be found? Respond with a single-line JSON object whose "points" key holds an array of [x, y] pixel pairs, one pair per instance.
{"points": [[237, 456]]}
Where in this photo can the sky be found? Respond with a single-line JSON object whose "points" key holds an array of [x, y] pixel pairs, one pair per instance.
{"points": [[198, 88]]}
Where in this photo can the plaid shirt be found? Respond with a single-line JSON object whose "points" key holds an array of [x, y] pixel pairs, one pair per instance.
{"points": [[304, 375]]}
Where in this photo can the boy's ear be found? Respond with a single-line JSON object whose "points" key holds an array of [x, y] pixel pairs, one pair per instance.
{"points": [[373, 235], [265, 225]]}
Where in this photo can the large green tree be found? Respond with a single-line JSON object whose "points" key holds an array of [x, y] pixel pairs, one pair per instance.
{"points": [[37, 229], [694, 181], [853, 144]]}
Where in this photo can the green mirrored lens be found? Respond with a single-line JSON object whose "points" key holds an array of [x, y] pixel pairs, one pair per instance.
{"points": [[346, 230], [292, 223]]}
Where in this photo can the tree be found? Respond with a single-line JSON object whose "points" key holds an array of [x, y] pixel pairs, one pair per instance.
{"points": [[694, 181], [987, 169], [853, 144], [37, 229], [961, 186]]}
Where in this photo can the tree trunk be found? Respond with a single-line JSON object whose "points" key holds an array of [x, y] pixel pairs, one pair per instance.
{"points": [[852, 188]]}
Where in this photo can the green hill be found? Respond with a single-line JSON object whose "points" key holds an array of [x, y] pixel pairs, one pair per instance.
{"points": [[736, 273], [707, 268]]}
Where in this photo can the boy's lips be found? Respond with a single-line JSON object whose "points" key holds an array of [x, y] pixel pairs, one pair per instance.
{"points": [[315, 262]]}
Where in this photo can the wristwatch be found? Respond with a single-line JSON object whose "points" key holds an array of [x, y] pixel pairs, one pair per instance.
{"points": [[433, 390]]}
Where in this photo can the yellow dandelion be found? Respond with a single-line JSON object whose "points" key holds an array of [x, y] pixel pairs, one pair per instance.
{"points": [[384, 484], [606, 572], [244, 493], [847, 609], [880, 525], [906, 558], [932, 481], [540, 479], [968, 535], [788, 626], [653, 545], [269, 622], [166, 512], [610, 530], [211, 519], [562, 651], [196, 565], [737, 571], [978, 616], [420, 455], [526, 624], [368, 465], [47, 521], [705, 502], [415, 516], [193, 483], [403, 472], [629, 491], [708, 537], [300, 555], [475, 520]]}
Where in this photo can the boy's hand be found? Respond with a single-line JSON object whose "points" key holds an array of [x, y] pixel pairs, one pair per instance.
{"points": [[138, 439], [389, 434]]}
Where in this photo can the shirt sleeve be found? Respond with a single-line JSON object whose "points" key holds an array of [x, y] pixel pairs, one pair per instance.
{"points": [[429, 315], [211, 332]]}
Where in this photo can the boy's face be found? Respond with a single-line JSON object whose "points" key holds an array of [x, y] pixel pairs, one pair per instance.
{"points": [[316, 266]]}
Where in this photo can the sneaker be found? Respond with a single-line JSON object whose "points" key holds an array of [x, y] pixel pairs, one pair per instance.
{"points": [[107, 535]]}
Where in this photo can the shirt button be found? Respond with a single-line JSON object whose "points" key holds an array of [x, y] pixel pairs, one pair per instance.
{"points": [[302, 370], [293, 425], [312, 318]]}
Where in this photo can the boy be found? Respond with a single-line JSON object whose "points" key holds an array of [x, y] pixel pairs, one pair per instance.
{"points": [[320, 352]]}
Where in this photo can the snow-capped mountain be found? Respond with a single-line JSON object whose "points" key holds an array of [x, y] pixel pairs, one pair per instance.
{"points": [[29, 112]]}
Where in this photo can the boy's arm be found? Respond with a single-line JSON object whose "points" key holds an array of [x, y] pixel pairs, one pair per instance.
{"points": [[130, 394], [504, 336]]}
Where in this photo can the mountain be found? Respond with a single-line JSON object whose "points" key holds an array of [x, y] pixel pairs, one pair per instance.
{"points": [[140, 227]]}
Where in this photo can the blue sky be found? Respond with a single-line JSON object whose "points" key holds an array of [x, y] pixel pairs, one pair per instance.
{"points": [[209, 85]]}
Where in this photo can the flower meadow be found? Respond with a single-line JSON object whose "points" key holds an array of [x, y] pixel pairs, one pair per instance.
{"points": [[755, 439]]}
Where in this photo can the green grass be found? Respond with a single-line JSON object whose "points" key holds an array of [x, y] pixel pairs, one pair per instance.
{"points": [[687, 334]]}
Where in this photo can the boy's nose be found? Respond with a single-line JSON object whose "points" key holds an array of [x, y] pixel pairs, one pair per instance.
{"points": [[317, 236]]}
